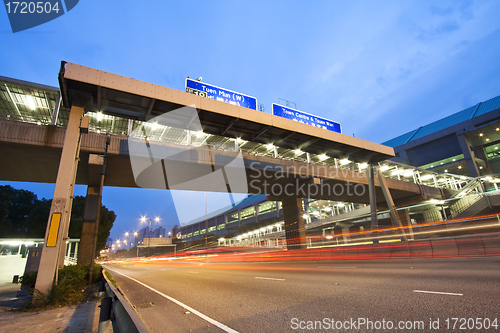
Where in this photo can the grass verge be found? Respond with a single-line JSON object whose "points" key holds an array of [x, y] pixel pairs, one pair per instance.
{"points": [[110, 278]]}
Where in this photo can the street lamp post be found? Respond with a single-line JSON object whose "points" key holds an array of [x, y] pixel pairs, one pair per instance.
{"points": [[136, 245]]}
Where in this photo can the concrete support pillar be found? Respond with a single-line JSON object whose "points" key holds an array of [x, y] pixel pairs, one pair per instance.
{"points": [[345, 234], [89, 219], [468, 156], [56, 228], [92, 209], [294, 223]]}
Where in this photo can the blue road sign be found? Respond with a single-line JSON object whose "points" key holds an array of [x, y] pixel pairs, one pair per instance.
{"points": [[305, 118], [220, 94]]}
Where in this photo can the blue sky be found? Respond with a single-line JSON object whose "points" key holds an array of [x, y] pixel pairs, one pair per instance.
{"points": [[380, 68]]}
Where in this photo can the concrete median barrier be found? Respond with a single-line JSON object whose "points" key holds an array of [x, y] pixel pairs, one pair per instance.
{"points": [[491, 245], [444, 248], [420, 249], [400, 250], [470, 247]]}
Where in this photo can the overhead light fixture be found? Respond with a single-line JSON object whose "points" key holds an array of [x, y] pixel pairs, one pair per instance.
{"points": [[269, 146], [363, 165], [99, 116], [408, 173], [344, 161], [31, 102], [384, 168], [322, 157], [298, 152], [497, 129], [481, 134], [488, 139], [199, 134], [426, 177], [460, 167], [436, 202], [446, 170]]}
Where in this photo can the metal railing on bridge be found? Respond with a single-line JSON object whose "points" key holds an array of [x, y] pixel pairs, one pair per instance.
{"points": [[45, 109]]}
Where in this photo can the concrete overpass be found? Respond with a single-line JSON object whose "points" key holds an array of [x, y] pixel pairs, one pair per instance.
{"points": [[60, 153], [32, 153]]}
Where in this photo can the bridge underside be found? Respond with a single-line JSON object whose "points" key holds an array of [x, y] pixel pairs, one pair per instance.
{"points": [[39, 162]]}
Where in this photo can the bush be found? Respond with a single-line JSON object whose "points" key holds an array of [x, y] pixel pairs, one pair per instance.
{"points": [[28, 280], [72, 282]]}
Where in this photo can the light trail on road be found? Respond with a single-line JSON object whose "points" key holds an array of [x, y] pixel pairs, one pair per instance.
{"points": [[244, 296]]}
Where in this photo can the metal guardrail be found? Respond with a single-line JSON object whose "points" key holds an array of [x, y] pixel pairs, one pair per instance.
{"points": [[70, 261], [116, 311]]}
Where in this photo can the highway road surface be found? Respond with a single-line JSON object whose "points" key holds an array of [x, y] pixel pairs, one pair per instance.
{"points": [[397, 295]]}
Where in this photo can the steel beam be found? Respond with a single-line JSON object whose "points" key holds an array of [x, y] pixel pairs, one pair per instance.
{"points": [[388, 198], [373, 203]]}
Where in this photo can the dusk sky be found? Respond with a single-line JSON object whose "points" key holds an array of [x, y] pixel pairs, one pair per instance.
{"points": [[380, 68]]}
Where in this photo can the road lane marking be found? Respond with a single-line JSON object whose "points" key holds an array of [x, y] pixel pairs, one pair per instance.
{"points": [[193, 272], [187, 307], [266, 278], [436, 292]]}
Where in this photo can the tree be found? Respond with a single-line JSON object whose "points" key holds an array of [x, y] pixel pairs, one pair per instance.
{"points": [[5, 223], [38, 218], [15, 208], [23, 215], [106, 221]]}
